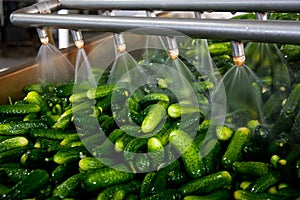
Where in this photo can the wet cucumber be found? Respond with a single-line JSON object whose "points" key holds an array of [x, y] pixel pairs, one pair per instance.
{"points": [[189, 152], [67, 155], [88, 163], [243, 194], [147, 184], [69, 187], [112, 192], [105, 177], [264, 182], [207, 183], [19, 109], [168, 194], [13, 154], [252, 168], [217, 195], [155, 115], [153, 98], [156, 152], [53, 134], [176, 110], [12, 143], [234, 149], [35, 98], [21, 127], [292, 101], [224, 132], [36, 180], [36, 158], [100, 91]]}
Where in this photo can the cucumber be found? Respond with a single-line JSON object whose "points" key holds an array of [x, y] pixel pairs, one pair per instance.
{"points": [[35, 98], [243, 194], [156, 152], [122, 142], [21, 127], [12, 154], [65, 90], [153, 98], [210, 152], [3, 190], [189, 152], [153, 118], [53, 134], [15, 174], [105, 177], [34, 87], [141, 163], [234, 149], [284, 122], [264, 182], [292, 101], [177, 177], [36, 158], [67, 155], [69, 187], [207, 183], [296, 128], [176, 110], [64, 120], [19, 109], [88, 163], [147, 184], [219, 194], [123, 189], [281, 145], [13, 143], [168, 194], [100, 91], [60, 173], [252, 168], [262, 135], [36, 180], [202, 86], [224, 132], [273, 105]]}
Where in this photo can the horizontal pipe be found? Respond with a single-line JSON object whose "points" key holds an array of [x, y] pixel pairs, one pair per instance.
{"points": [[41, 7], [190, 5], [247, 30]]}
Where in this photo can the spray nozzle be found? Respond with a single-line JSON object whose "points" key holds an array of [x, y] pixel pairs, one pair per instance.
{"points": [[43, 35], [172, 47], [238, 53], [78, 38]]}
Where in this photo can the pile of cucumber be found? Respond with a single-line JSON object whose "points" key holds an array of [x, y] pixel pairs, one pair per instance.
{"points": [[148, 144]]}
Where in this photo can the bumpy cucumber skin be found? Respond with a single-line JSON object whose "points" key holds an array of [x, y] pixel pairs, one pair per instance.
{"points": [[264, 182], [67, 187], [234, 149], [100, 178], [155, 115], [207, 183], [252, 168], [194, 165], [36, 180], [243, 194], [217, 195], [19, 109]]}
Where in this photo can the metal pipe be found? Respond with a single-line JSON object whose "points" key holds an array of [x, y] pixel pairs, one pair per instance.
{"points": [[238, 30], [191, 5], [41, 7]]}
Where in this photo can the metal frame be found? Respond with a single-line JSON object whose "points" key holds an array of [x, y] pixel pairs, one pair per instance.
{"points": [[249, 30]]}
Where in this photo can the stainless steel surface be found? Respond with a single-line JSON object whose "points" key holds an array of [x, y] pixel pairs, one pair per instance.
{"points": [[191, 5], [253, 30]]}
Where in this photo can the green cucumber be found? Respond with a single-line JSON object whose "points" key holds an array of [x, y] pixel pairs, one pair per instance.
{"points": [[189, 152], [292, 101], [122, 142], [15, 174], [284, 122], [156, 152], [60, 173], [53, 134], [64, 120], [210, 151], [19, 109], [3, 190], [176, 110], [36, 158], [147, 184], [111, 192], [296, 128], [273, 105], [105, 177], [251, 168], [13, 143], [224, 132], [67, 155], [207, 183], [219, 194], [88, 163], [177, 177], [153, 98], [35, 98], [264, 182], [234, 149], [168, 194], [36, 180], [69, 187], [65, 90], [34, 87], [243, 194], [100, 91], [141, 163], [21, 127], [153, 118], [12, 154]]}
